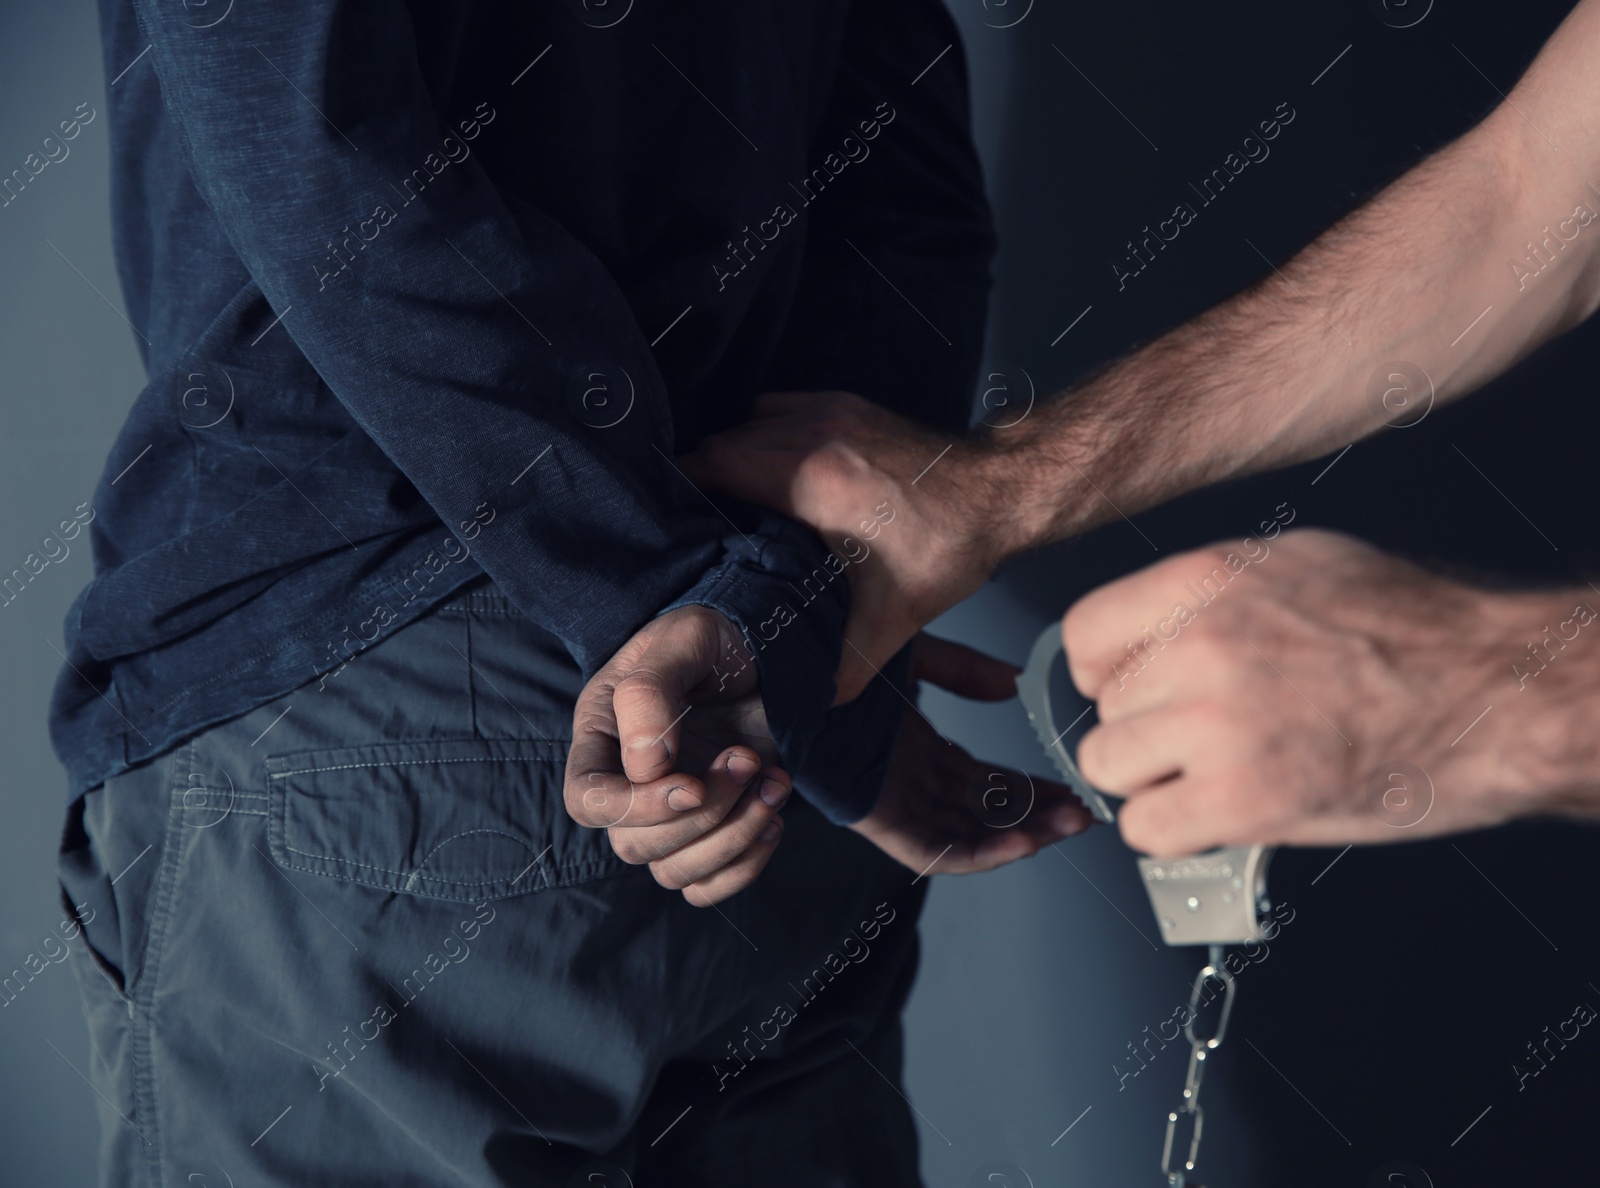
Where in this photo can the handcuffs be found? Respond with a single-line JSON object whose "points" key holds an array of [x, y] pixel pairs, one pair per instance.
{"points": [[1217, 898]]}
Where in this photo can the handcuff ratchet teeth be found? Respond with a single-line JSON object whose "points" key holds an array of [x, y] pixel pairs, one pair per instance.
{"points": [[1219, 897]]}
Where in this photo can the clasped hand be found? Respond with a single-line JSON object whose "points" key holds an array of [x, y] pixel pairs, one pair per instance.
{"points": [[671, 755]]}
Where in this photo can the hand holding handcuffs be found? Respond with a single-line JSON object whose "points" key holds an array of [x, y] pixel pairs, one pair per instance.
{"points": [[1217, 898]]}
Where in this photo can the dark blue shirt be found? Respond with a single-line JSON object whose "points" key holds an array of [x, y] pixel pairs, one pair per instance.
{"points": [[426, 290]]}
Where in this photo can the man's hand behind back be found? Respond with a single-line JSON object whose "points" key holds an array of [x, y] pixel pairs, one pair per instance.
{"points": [[672, 756], [942, 811], [907, 500]]}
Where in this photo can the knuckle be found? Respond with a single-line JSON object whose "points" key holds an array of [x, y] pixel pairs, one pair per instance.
{"points": [[598, 808], [641, 684], [670, 874], [572, 797], [627, 847], [1076, 626], [707, 817], [697, 896], [1094, 755], [827, 466], [752, 831]]}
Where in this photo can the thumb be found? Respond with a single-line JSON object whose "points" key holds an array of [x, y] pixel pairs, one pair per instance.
{"points": [[740, 463], [651, 694], [961, 670]]}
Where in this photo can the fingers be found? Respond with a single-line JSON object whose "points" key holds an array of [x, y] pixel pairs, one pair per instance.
{"points": [[1111, 632], [759, 459], [687, 654], [1195, 813], [964, 671], [1023, 814], [738, 874], [754, 461], [749, 823], [1183, 816], [651, 699], [724, 782], [972, 817], [997, 850], [626, 726], [1058, 814], [1127, 754], [599, 793]]}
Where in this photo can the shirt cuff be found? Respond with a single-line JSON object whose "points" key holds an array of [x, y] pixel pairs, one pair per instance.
{"points": [[789, 596], [845, 768]]}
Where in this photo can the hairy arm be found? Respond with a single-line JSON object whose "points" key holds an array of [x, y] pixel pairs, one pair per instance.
{"points": [[1500, 223], [1456, 270]]}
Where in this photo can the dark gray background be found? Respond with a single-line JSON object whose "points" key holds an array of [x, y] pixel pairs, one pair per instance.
{"points": [[1389, 1012]]}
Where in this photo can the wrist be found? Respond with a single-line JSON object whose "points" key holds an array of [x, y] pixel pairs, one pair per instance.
{"points": [[1546, 750], [1026, 488]]}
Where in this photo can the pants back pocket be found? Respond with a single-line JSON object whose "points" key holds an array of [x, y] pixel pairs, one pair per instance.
{"points": [[466, 819]]}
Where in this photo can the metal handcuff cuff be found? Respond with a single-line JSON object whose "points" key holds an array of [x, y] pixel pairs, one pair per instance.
{"points": [[1217, 898]]}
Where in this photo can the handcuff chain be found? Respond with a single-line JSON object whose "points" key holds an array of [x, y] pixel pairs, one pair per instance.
{"points": [[1199, 1050]]}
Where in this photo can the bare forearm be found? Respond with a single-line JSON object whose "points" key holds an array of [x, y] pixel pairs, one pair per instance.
{"points": [[1543, 754], [1458, 269]]}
